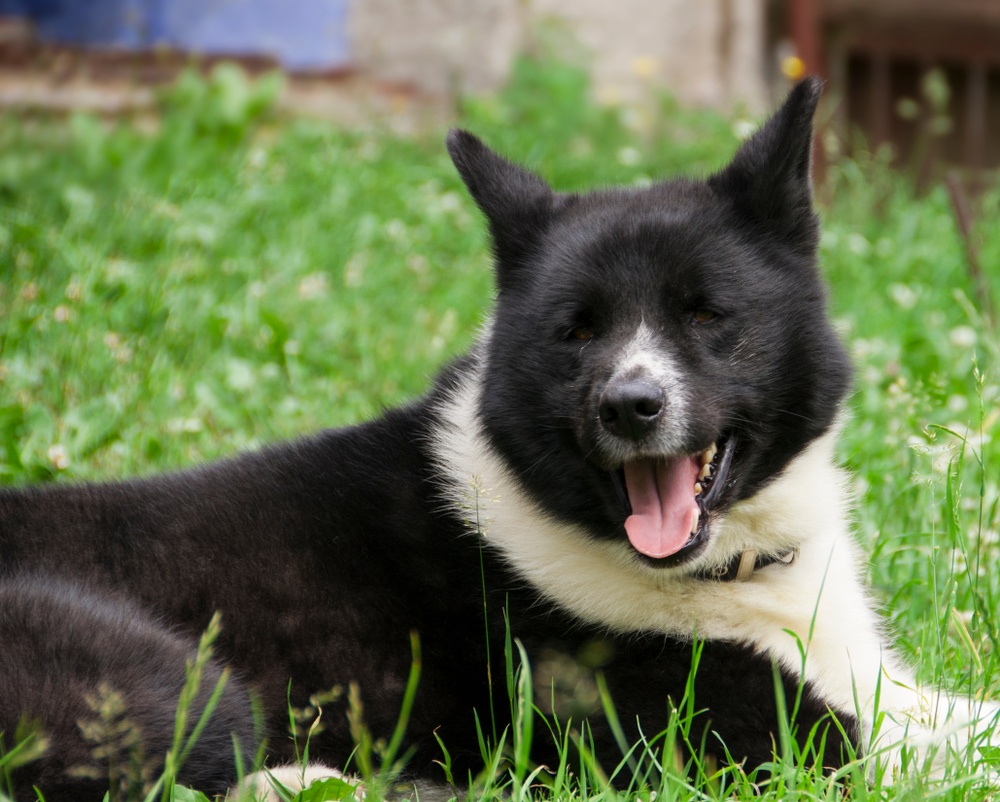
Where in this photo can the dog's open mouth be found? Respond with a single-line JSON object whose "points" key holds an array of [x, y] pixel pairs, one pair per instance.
{"points": [[669, 501]]}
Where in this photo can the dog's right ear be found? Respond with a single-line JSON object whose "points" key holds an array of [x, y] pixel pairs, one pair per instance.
{"points": [[516, 202]]}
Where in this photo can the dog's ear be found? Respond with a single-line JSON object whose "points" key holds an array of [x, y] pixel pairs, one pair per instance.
{"points": [[770, 178], [516, 202]]}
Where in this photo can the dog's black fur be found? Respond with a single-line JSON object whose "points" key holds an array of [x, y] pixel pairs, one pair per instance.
{"points": [[93, 680], [325, 553]]}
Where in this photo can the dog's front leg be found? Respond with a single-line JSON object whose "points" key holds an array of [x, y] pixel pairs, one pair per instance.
{"points": [[835, 642]]}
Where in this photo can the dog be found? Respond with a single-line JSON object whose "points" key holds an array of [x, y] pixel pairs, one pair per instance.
{"points": [[631, 475]]}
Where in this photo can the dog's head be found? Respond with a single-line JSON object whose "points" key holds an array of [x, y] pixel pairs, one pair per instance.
{"points": [[658, 354]]}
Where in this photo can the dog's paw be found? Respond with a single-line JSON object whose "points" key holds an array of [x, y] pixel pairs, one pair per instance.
{"points": [[932, 734], [284, 782]]}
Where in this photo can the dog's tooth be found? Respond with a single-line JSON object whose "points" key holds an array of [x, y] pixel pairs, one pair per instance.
{"points": [[709, 454], [706, 471], [698, 488], [694, 524]]}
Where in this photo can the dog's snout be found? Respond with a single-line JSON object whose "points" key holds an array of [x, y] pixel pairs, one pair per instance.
{"points": [[632, 408]]}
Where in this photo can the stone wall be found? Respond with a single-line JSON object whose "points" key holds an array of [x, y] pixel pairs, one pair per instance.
{"points": [[439, 46], [705, 52]]}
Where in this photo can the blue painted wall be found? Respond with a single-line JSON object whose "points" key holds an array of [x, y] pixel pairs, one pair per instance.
{"points": [[302, 34]]}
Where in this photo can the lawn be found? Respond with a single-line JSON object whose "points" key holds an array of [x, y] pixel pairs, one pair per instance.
{"points": [[177, 291]]}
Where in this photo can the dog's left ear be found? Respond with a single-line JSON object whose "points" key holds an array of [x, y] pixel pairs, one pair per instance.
{"points": [[770, 178], [516, 202]]}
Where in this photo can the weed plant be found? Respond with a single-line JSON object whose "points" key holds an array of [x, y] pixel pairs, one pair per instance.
{"points": [[175, 292]]}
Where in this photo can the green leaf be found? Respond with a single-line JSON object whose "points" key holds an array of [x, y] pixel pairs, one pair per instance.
{"points": [[990, 755], [184, 794], [331, 789]]}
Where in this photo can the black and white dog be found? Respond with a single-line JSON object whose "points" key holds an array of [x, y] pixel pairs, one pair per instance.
{"points": [[638, 450]]}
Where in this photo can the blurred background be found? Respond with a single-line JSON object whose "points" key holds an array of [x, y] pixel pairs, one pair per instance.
{"points": [[228, 222], [409, 62]]}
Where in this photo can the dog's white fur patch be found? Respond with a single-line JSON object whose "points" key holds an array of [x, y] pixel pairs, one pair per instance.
{"points": [[817, 604], [263, 785], [643, 357]]}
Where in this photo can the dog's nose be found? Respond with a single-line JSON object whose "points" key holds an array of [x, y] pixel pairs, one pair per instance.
{"points": [[632, 408]]}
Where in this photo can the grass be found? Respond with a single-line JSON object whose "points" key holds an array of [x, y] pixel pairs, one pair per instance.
{"points": [[226, 279]]}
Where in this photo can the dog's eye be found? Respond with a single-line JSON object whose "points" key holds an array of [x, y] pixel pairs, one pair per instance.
{"points": [[583, 333], [703, 316]]}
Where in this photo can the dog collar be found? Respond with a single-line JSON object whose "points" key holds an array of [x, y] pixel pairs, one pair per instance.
{"points": [[741, 567]]}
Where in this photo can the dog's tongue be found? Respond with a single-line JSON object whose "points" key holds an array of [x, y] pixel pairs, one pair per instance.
{"points": [[661, 493]]}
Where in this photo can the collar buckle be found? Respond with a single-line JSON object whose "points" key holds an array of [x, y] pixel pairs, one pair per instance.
{"points": [[742, 566]]}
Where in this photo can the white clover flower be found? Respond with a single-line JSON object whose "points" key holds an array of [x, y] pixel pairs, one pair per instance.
{"points": [[742, 128], [58, 457], [628, 156], [858, 244], [957, 403], [963, 336], [904, 295]]}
